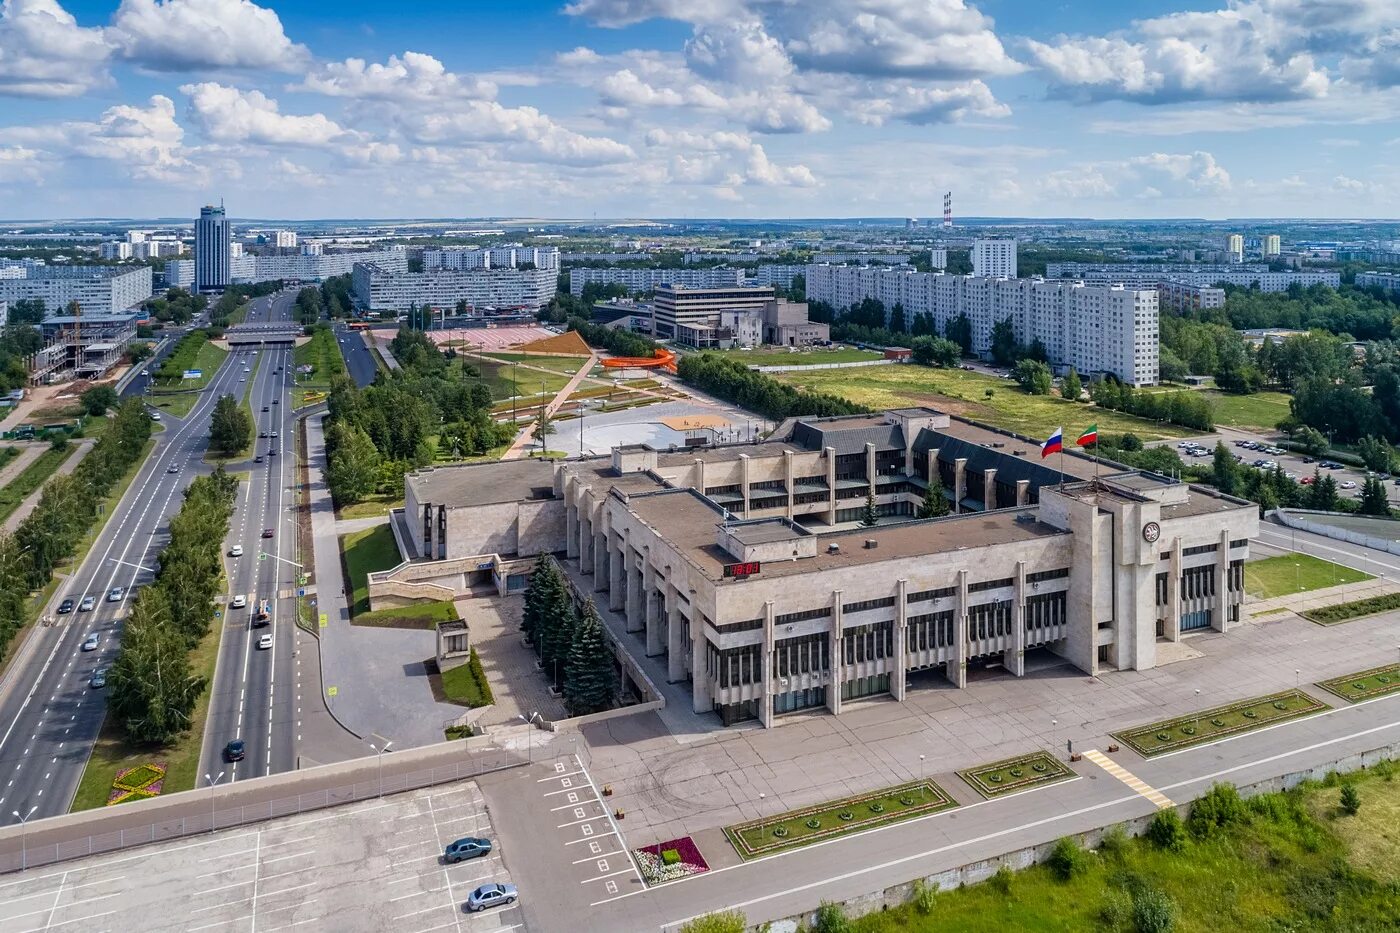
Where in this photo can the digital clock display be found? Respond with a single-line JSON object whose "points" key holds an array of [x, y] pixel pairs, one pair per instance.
{"points": [[747, 569]]}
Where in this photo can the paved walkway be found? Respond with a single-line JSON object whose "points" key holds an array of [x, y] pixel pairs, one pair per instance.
{"points": [[32, 502], [518, 449], [347, 526], [517, 685], [28, 453], [1327, 596], [379, 674]]}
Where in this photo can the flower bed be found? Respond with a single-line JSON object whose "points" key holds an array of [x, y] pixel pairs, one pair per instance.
{"points": [[1013, 774], [1356, 609], [138, 783], [837, 818], [1211, 724], [1365, 685], [667, 861]]}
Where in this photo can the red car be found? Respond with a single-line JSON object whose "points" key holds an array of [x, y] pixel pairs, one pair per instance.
{"points": [[267, 532], [1308, 480]]}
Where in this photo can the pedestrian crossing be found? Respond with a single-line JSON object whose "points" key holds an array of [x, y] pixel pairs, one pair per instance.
{"points": [[1127, 777]]}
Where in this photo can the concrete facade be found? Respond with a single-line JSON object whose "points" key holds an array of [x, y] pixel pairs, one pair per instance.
{"points": [[747, 569]]}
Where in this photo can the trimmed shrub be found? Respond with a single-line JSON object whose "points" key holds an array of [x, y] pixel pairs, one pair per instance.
{"points": [[670, 857], [1067, 859], [1166, 831], [1219, 808]]}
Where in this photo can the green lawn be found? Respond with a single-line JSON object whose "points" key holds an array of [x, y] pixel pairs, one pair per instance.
{"points": [[564, 365], [758, 838], [500, 378], [1262, 410], [363, 552], [13, 493], [1295, 573], [112, 753], [777, 356], [1292, 863], [964, 393], [177, 395], [374, 506], [1013, 774], [1208, 725], [467, 684], [418, 615], [1364, 685]]}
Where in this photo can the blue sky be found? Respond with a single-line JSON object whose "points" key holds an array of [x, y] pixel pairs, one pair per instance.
{"points": [[762, 108]]}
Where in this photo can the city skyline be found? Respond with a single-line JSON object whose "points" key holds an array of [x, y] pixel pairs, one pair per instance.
{"points": [[714, 108]]}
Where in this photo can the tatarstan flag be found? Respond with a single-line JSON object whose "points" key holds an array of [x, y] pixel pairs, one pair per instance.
{"points": [[1090, 436]]}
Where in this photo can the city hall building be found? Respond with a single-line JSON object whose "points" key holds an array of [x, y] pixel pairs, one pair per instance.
{"points": [[746, 566]]}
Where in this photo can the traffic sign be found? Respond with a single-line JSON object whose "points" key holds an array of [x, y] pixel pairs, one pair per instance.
{"points": [[332, 691], [301, 591]]}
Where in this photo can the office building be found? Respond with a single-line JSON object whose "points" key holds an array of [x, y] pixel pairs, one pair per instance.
{"points": [[684, 314], [993, 258], [505, 257], [118, 249], [285, 239], [1094, 328], [747, 570], [378, 289], [212, 235], [96, 289], [1234, 247], [1271, 245], [235, 250], [641, 281]]}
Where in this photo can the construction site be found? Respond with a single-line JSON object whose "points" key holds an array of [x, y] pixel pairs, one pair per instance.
{"points": [[81, 346]]}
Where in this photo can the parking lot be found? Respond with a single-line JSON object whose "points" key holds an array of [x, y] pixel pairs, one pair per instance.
{"points": [[371, 866]]}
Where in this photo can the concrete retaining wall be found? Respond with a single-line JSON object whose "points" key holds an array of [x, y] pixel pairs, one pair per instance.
{"points": [[1298, 518], [974, 872], [795, 369]]}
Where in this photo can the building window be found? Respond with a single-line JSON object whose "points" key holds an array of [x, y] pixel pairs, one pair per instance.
{"points": [[802, 655], [868, 604], [868, 642], [1200, 549], [989, 620], [791, 617], [858, 687], [923, 596], [1044, 611], [1239, 542], [925, 632], [1043, 575], [731, 628], [989, 585]]}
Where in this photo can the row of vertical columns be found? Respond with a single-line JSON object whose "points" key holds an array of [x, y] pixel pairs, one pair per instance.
{"points": [[571, 522], [675, 647], [651, 611], [617, 571], [633, 597]]}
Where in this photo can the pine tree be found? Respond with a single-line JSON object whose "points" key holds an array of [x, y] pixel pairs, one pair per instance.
{"points": [[1373, 498], [935, 504], [589, 677], [870, 517], [1323, 494], [539, 599]]}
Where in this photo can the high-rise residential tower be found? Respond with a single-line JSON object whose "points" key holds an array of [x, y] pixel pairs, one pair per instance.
{"points": [[994, 258], [211, 249]]}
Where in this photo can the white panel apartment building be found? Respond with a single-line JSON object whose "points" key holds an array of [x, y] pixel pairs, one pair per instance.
{"points": [[97, 289], [1390, 281], [378, 289], [305, 267], [1094, 328], [502, 257], [638, 281], [1147, 276], [994, 257]]}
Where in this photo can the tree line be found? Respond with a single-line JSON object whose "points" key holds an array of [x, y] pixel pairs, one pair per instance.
{"points": [[614, 339], [734, 382], [152, 688], [1188, 409], [569, 641], [235, 296], [176, 306], [67, 509], [377, 434]]}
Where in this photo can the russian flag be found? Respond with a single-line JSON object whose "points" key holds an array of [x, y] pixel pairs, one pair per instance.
{"points": [[1053, 444]]}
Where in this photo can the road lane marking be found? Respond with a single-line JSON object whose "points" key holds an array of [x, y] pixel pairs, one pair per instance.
{"points": [[1127, 777]]}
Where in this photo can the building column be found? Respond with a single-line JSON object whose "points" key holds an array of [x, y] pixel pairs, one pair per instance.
{"points": [[931, 465], [901, 654], [957, 664], [1014, 660], [651, 601], [616, 572], [787, 480], [830, 454], [744, 482], [959, 483], [634, 595], [870, 467], [1023, 491], [600, 561], [989, 490], [767, 683], [701, 688], [571, 531], [1220, 618], [1172, 629], [675, 646], [699, 475], [585, 541], [833, 692]]}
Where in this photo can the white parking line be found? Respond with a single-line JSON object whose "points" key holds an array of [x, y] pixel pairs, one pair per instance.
{"points": [[625, 871], [425, 910], [611, 832], [600, 816], [594, 858]]}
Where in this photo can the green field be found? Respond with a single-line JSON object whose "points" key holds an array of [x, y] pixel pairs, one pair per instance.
{"points": [[963, 393], [1015, 774], [564, 365], [778, 356], [501, 379], [374, 505], [177, 395], [364, 552], [1364, 685], [31, 478], [1260, 411], [1295, 573], [1290, 861], [467, 684], [418, 615]]}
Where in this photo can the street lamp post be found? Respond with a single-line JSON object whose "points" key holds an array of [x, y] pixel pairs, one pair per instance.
{"points": [[1196, 722], [212, 782], [762, 821], [921, 776], [23, 841], [379, 758], [1297, 677], [530, 736]]}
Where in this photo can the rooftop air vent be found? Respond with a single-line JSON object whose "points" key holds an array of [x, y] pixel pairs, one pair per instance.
{"points": [[998, 444], [1018, 453], [871, 544]]}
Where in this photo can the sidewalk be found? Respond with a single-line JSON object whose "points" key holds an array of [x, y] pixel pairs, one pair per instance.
{"points": [[28, 453], [522, 441], [380, 681], [1299, 603], [29, 504]]}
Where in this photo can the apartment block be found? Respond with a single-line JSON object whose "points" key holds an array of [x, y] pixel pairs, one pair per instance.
{"points": [[993, 257], [639, 281], [378, 289], [96, 289]]}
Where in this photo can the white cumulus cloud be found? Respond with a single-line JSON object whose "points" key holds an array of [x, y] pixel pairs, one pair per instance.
{"points": [[230, 115], [203, 35], [414, 76], [45, 53]]}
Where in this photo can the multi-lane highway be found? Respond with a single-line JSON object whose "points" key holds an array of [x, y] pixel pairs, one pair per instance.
{"points": [[254, 696], [359, 360], [49, 713]]}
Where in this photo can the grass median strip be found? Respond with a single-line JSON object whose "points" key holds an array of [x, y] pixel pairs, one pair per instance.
{"points": [[1170, 735], [1365, 685], [31, 478], [795, 828], [1356, 609], [1013, 774]]}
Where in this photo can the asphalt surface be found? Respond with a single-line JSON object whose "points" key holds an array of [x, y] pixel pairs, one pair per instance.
{"points": [[254, 696], [49, 714], [359, 359]]}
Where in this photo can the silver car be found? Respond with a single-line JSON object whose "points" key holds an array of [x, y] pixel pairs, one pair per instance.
{"points": [[490, 895]]}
